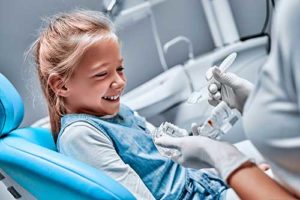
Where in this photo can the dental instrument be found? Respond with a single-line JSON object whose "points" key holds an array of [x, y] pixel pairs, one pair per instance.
{"points": [[219, 122], [216, 125], [197, 96], [222, 117], [169, 129]]}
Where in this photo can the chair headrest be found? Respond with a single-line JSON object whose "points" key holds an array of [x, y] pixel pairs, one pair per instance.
{"points": [[11, 106]]}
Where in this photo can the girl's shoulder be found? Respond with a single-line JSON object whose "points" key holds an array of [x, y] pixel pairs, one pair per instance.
{"points": [[82, 131]]}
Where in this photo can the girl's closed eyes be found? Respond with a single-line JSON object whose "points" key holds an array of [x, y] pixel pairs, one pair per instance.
{"points": [[101, 74], [120, 70]]}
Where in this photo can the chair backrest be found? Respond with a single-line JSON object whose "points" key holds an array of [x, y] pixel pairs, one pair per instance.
{"points": [[29, 157]]}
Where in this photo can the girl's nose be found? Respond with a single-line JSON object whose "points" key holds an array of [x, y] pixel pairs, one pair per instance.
{"points": [[118, 83]]}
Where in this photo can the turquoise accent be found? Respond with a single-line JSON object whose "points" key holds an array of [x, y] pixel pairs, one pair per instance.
{"points": [[11, 106]]}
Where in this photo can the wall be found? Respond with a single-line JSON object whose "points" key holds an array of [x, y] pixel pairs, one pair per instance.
{"points": [[19, 21]]}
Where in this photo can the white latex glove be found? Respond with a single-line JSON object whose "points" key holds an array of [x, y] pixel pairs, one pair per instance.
{"points": [[199, 152], [227, 87], [195, 128]]}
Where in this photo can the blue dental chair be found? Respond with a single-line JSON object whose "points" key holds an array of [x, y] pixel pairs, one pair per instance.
{"points": [[29, 157]]}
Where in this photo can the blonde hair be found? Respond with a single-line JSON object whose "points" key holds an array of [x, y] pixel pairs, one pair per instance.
{"points": [[59, 48]]}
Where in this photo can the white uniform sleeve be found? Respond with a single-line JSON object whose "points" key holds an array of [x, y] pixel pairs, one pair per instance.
{"points": [[84, 142], [272, 117]]}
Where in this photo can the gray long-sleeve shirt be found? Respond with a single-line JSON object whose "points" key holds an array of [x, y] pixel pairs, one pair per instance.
{"points": [[84, 142]]}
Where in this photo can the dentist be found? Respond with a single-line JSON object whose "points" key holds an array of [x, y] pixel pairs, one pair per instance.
{"points": [[271, 119]]}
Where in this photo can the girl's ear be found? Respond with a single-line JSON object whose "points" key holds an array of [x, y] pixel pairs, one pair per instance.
{"points": [[57, 85]]}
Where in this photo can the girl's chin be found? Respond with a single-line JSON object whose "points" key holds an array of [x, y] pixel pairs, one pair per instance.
{"points": [[115, 110]]}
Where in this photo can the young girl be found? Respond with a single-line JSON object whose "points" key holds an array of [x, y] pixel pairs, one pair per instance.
{"points": [[80, 68]]}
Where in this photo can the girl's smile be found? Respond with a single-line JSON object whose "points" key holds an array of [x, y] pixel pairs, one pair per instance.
{"points": [[98, 74]]}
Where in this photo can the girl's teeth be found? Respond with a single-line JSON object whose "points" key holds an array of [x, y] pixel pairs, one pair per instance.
{"points": [[112, 97]]}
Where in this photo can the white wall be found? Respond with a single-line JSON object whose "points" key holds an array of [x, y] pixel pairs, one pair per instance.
{"points": [[19, 21]]}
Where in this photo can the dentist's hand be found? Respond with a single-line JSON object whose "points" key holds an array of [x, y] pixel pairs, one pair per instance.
{"points": [[227, 87], [199, 152]]}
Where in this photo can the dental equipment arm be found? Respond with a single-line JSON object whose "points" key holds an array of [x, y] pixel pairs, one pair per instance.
{"points": [[234, 167]]}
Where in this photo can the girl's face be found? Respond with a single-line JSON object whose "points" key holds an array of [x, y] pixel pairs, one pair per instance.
{"points": [[98, 81]]}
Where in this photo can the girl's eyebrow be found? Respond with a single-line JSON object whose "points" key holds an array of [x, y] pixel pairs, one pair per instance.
{"points": [[98, 66]]}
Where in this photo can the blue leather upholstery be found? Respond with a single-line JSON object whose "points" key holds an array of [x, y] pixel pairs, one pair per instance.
{"points": [[29, 156], [11, 106]]}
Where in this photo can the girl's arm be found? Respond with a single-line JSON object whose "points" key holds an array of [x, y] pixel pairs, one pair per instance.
{"points": [[84, 142]]}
